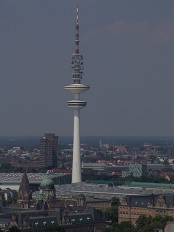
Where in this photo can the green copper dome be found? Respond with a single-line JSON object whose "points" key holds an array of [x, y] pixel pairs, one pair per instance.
{"points": [[47, 182]]}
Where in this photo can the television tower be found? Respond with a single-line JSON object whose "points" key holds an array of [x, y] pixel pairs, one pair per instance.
{"points": [[77, 88]]}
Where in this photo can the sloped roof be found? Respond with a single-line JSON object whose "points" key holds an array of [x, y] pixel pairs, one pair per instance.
{"points": [[42, 221], [24, 188]]}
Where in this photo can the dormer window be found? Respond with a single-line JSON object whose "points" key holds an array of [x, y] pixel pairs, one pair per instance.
{"points": [[73, 220], [36, 223]]}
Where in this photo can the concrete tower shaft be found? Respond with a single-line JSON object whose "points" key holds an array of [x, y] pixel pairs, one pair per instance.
{"points": [[76, 104]]}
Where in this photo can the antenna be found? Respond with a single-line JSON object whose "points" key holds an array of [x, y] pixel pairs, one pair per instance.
{"points": [[77, 58], [77, 30]]}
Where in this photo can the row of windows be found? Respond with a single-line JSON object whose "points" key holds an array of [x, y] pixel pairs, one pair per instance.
{"points": [[123, 212]]}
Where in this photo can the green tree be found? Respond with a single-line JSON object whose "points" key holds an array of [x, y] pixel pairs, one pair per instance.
{"points": [[5, 167], [57, 229], [149, 224], [126, 227], [115, 201], [142, 221], [14, 229], [122, 227], [89, 174], [111, 214], [152, 226]]}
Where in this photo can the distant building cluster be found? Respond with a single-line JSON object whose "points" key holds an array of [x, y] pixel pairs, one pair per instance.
{"points": [[46, 156]]}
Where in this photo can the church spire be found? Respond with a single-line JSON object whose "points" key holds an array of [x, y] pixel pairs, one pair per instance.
{"points": [[24, 189]]}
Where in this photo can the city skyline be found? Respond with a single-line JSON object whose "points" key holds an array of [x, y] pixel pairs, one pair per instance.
{"points": [[128, 57]]}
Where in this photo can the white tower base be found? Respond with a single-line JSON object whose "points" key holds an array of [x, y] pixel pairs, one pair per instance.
{"points": [[76, 168]]}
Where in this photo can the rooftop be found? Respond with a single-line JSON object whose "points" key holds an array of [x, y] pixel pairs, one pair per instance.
{"points": [[102, 191], [34, 178]]}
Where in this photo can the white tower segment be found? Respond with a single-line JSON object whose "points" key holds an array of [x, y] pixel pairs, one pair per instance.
{"points": [[76, 104]]}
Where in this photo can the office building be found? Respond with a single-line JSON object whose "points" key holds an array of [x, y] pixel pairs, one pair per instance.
{"points": [[48, 150], [136, 170]]}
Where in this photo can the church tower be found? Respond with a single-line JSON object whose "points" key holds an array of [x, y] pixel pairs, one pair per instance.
{"points": [[24, 192]]}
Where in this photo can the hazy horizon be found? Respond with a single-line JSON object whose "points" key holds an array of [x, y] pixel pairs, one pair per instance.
{"points": [[34, 141]]}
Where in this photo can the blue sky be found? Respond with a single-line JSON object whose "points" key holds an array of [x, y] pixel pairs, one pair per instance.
{"points": [[128, 57]]}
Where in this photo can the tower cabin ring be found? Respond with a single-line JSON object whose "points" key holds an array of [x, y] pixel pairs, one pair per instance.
{"points": [[76, 104], [77, 88]]}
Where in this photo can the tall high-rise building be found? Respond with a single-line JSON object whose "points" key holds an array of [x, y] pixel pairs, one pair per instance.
{"points": [[77, 88], [48, 150]]}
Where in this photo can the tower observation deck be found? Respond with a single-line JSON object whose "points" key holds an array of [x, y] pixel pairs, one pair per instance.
{"points": [[76, 104]]}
